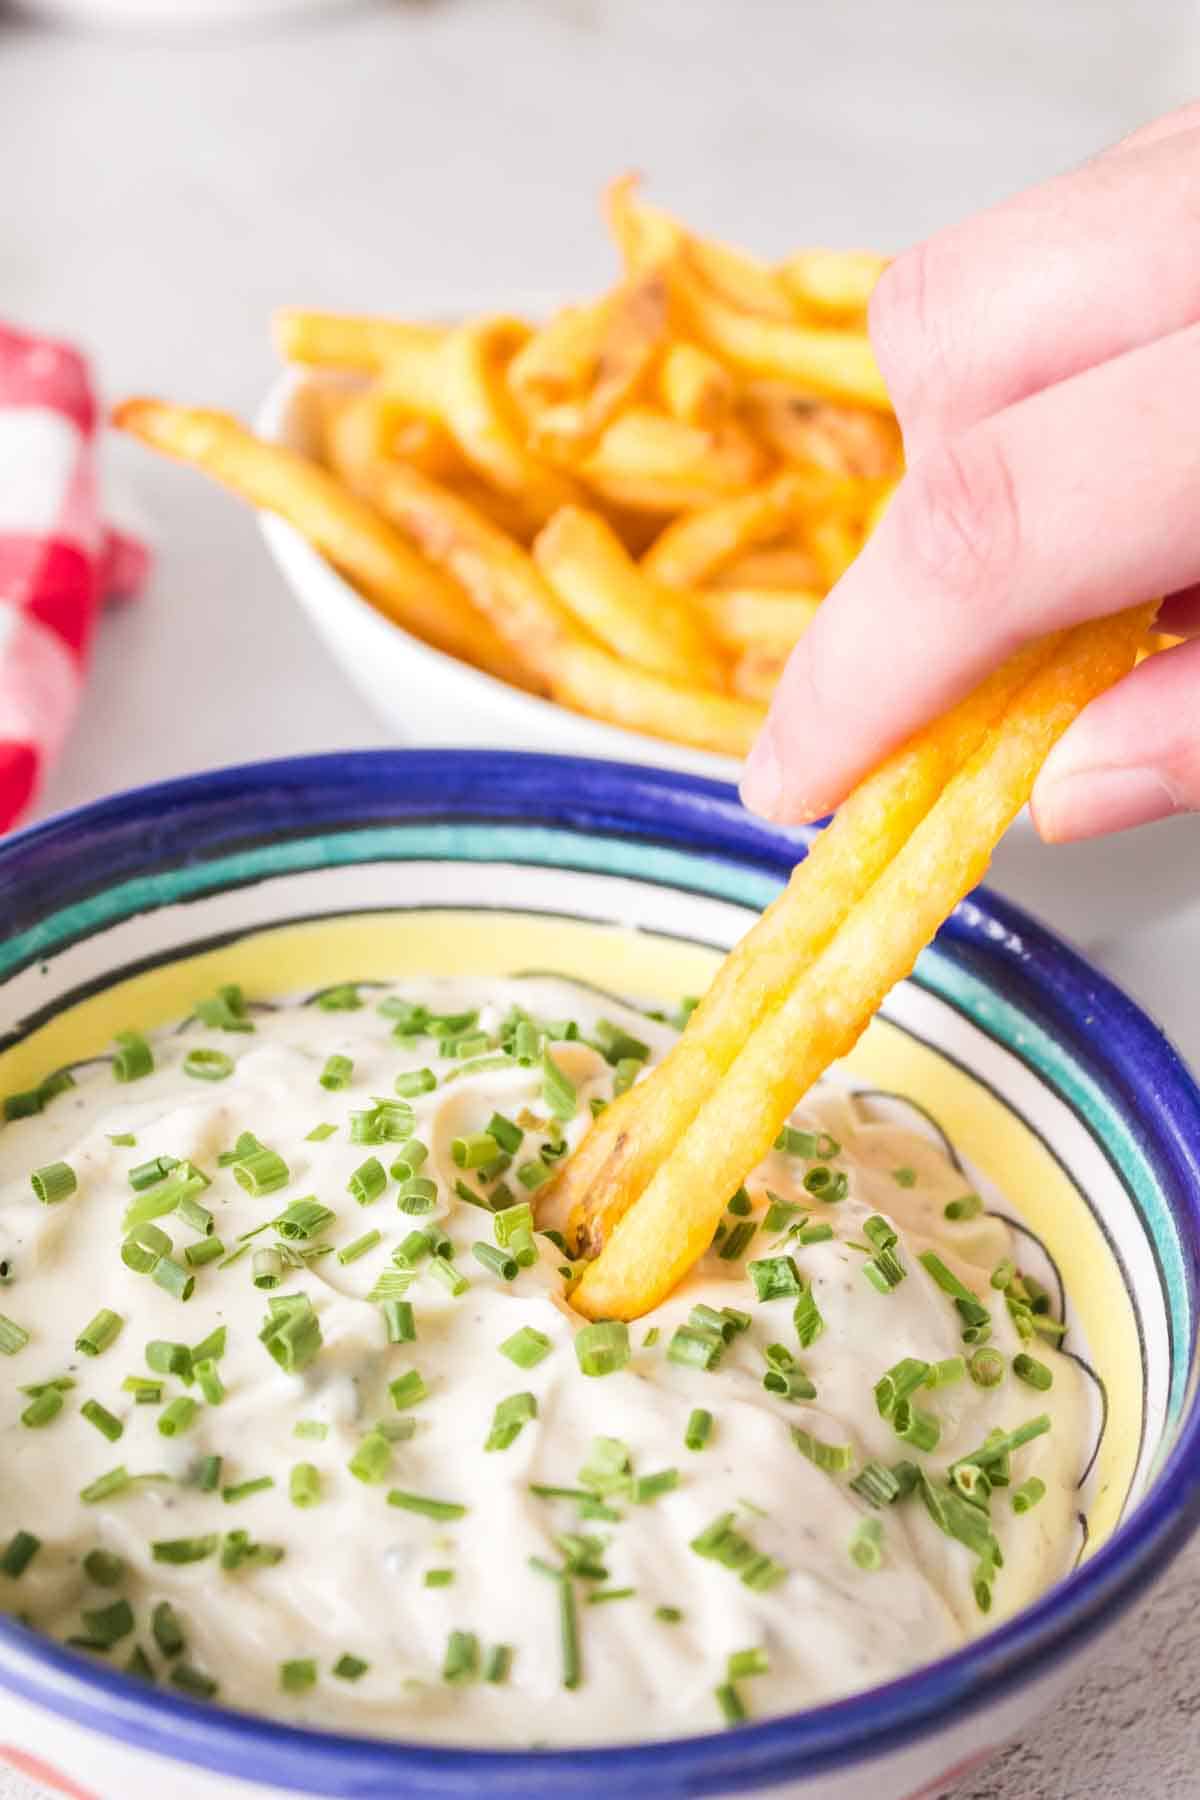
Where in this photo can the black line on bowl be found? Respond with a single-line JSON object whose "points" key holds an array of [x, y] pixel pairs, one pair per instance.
{"points": [[930, 1119], [1027, 1231], [1081, 1519]]}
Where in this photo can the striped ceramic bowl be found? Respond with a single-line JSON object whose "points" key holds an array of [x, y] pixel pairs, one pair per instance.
{"points": [[1056, 1088]]}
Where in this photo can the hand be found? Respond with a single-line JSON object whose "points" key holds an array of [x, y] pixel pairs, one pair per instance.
{"points": [[1044, 362]]}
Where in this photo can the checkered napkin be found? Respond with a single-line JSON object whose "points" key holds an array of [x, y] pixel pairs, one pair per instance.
{"points": [[59, 559]]}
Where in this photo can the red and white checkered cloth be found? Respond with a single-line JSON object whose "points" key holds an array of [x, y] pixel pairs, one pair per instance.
{"points": [[58, 557]]}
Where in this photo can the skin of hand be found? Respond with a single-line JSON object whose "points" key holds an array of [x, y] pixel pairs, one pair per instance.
{"points": [[1044, 362]]}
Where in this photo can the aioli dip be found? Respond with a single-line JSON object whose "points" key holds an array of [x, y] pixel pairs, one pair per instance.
{"points": [[367, 1476]]}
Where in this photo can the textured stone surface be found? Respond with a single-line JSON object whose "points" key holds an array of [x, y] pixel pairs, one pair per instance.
{"points": [[445, 155]]}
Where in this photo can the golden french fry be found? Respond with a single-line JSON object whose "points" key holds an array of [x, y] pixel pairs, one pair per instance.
{"points": [[835, 544], [671, 1223], [692, 549], [694, 387], [347, 530], [478, 410], [765, 620], [626, 1144], [575, 374], [878, 507], [591, 570], [648, 237], [348, 340], [755, 675], [779, 567], [509, 589], [833, 361], [647, 460], [847, 440], [834, 284]]}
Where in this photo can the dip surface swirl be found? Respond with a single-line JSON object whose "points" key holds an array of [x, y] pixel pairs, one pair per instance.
{"points": [[444, 1508]]}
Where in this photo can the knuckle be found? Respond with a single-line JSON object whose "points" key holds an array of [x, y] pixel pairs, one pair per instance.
{"points": [[959, 522]]}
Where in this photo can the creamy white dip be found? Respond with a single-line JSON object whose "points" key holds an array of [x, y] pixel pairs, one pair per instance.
{"points": [[354, 1576]]}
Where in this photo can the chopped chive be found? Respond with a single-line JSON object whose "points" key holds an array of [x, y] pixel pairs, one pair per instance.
{"points": [[53, 1182], [498, 1663], [670, 1615], [19, 1552], [696, 1346], [43, 1408], [721, 1542], [437, 1578], [508, 1135], [177, 1416], [946, 1372], [297, 1674], [104, 1421], [827, 1185], [602, 1348], [166, 1629], [372, 1459], [877, 1485], [145, 1175], [730, 1702], [207, 1250], [145, 1393], [105, 1486], [173, 1278], [866, 1544], [1025, 1497], [775, 1276], [425, 1505], [226, 1010], [134, 1057], [476, 1151], [103, 1567], [835, 1459], [698, 1429], [599, 1596], [413, 1082], [417, 1195], [319, 1133], [242, 1490], [1004, 1274], [526, 1347], [969, 1206], [192, 1681], [106, 1625], [368, 1181], [807, 1319], [345, 997], [304, 1484], [814, 1234], [780, 1212], [740, 1205], [898, 1383], [208, 1474], [350, 1668], [648, 1487], [262, 1172], [208, 1065], [449, 1276], [1033, 1373], [195, 1215], [302, 1220], [534, 1174], [986, 1367], [743, 1663], [651, 1338], [461, 1661], [398, 1320], [735, 1244], [511, 1415], [311, 1428], [361, 1246], [905, 1177], [408, 1390], [209, 1378], [13, 1337], [511, 1221], [495, 1261], [169, 1359], [292, 1335], [920, 1429], [184, 1550]]}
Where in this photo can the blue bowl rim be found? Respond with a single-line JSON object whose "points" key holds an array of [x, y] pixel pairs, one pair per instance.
{"points": [[995, 938]]}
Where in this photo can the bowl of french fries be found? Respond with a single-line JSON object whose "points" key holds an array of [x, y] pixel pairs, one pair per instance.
{"points": [[602, 531]]}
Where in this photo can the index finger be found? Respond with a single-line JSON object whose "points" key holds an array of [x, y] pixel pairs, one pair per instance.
{"points": [[1048, 284]]}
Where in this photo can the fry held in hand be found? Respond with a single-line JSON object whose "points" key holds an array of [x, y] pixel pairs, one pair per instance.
{"points": [[651, 1179]]}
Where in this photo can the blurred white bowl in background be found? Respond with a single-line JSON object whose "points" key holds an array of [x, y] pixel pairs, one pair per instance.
{"points": [[167, 15]]}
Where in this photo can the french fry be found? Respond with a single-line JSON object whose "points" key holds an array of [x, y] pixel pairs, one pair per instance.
{"points": [[647, 460], [694, 387], [575, 375], [649, 237], [480, 413], [509, 589], [348, 340], [835, 544], [590, 569], [672, 1221], [626, 1144], [779, 567], [846, 440], [391, 574], [768, 621], [755, 675], [692, 549], [833, 284]]}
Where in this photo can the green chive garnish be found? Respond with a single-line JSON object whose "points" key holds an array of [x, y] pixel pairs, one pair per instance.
{"points": [[43, 1408], [106, 1625], [461, 1661], [302, 1220], [969, 1206], [1025, 1497], [602, 1348], [670, 1615], [173, 1278], [905, 1177], [495, 1261], [835, 1459], [510, 1416], [1033, 1373], [53, 1182], [298, 1674], [738, 1239], [102, 1419], [920, 1429], [208, 1065], [176, 1417], [721, 1542], [105, 1486], [145, 1393], [226, 1010], [350, 1668], [699, 1429], [443, 1269], [986, 1367], [774, 1276], [262, 1172], [242, 1490], [13, 1337], [134, 1057], [104, 1568], [866, 1544], [18, 1553], [730, 1702], [192, 1681], [526, 1347], [185, 1550], [319, 1133], [427, 1507], [946, 1372], [498, 1663], [304, 1484], [373, 1458], [399, 1322]]}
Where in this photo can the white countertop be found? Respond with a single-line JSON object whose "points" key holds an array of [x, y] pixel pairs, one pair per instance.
{"points": [[160, 197]]}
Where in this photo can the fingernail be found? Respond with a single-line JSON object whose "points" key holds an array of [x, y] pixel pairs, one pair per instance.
{"points": [[1094, 801], [761, 785]]}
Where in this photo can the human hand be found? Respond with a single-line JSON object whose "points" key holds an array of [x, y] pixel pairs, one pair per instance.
{"points": [[1044, 362]]}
